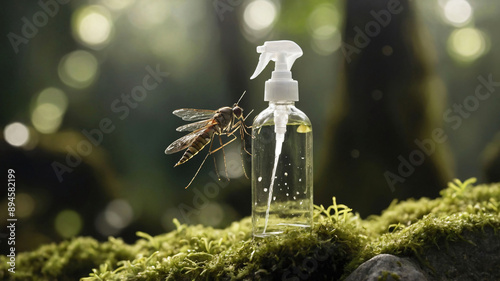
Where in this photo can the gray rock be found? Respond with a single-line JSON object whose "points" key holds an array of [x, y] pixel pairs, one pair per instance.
{"points": [[389, 268]]}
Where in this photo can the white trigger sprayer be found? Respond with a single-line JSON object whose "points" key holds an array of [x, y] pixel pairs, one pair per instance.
{"points": [[281, 86]]}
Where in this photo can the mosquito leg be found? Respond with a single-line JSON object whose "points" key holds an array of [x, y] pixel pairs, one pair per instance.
{"points": [[215, 165], [217, 149], [241, 126], [220, 147], [241, 154], [199, 168], [243, 142], [224, 156]]}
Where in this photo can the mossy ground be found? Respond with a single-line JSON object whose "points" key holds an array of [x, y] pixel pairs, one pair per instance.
{"points": [[338, 243]]}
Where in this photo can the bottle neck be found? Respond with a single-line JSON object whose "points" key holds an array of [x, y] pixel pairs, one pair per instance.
{"points": [[280, 103]]}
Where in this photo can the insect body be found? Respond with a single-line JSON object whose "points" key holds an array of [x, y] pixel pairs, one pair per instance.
{"points": [[224, 121]]}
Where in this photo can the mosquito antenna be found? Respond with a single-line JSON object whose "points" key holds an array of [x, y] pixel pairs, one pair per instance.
{"points": [[248, 114], [241, 97]]}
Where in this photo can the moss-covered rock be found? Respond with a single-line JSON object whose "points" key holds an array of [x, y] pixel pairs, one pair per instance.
{"points": [[463, 220]]}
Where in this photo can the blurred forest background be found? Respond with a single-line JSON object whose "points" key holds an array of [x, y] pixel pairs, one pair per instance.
{"points": [[383, 82]]}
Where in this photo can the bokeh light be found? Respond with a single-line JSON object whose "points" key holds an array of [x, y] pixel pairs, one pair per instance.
{"points": [[54, 96], [117, 4], [324, 15], [212, 215], [16, 134], [117, 215], [324, 27], [78, 69], [46, 118], [48, 113], [93, 26], [149, 13], [68, 223], [457, 12], [232, 162], [466, 44], [25, 205], [258, 18]]}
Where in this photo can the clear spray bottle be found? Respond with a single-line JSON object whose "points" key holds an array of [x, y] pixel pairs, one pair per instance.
{"points": [[282, 164]]}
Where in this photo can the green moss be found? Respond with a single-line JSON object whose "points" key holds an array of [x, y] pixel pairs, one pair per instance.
{"points": [[338, 243], [66, 260], [202, 253], [386, 274]]}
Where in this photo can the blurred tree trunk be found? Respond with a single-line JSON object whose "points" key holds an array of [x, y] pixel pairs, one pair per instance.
{"points": [[390, 99], [232, 53]]}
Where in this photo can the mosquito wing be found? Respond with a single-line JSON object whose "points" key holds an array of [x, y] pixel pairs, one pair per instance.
{"points": [[183, 142], [194, 126], [191, 114]]}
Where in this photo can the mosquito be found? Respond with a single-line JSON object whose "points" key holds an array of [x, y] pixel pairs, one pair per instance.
{"points": [[223, 121]]}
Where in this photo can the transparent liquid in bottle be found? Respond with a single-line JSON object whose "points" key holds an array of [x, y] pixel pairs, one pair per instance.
{"points": [[290, 206]]}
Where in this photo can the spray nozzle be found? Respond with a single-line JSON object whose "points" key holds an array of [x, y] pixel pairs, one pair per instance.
{"points": [[281, 86], [283, 52]]}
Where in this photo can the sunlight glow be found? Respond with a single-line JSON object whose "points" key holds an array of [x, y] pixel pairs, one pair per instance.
{"points": [[93, 26], [466, 44], [16, 134], [78, 69], [260, 14], [457, 12]]}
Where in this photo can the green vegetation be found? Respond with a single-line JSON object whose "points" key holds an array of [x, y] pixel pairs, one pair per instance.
{"points": [[338, 243]]}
